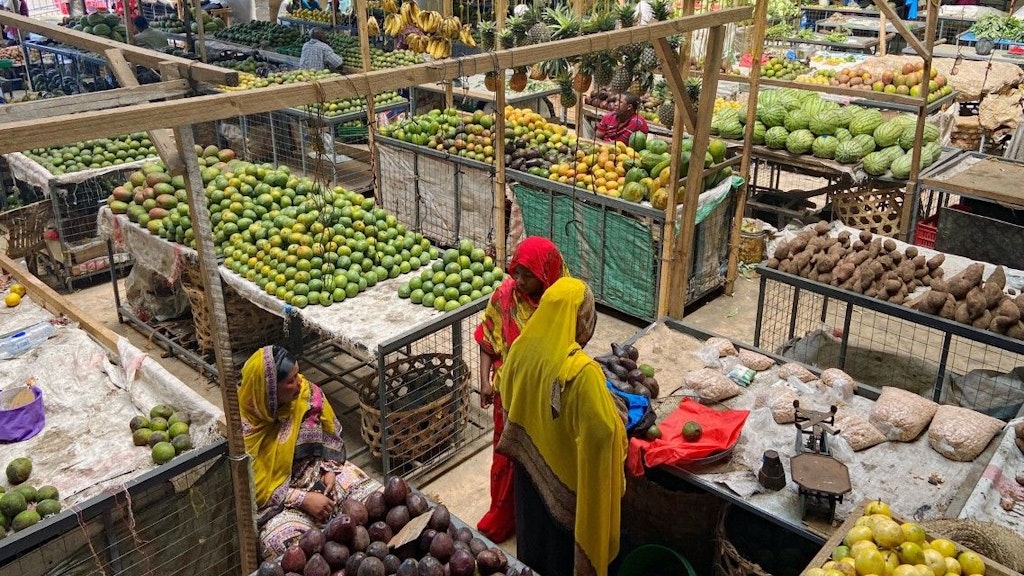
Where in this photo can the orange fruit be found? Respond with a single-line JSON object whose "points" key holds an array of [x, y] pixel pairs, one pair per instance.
{"points": [[12, 300]]}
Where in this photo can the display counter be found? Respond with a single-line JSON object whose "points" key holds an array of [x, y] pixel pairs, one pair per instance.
{"points": [[928, 485]]}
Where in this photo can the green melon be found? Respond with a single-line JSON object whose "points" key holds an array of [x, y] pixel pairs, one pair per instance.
{"points": [[889, 133], [825, 147], [797, 120], [799, 141], [900, 168], [865, 122], [775, 137]]}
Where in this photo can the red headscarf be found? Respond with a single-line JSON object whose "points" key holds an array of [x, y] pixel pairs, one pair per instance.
{"points": [[541, 257]]}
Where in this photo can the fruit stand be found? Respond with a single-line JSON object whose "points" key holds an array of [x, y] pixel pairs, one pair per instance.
{"points": [[112, 489]]}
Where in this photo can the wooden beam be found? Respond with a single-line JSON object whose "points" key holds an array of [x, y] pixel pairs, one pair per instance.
{"points": [[498, 210], [900, 27], [756, 50], [161, 138], [59, 305], [101, 100], [22, 135], [671, 70], [682, 260], [371, 114], [197, 16], [865, 94], [150, 58], [910, 194], [449, 94], [228, 377]]}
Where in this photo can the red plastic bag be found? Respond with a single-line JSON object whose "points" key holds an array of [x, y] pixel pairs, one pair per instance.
{"points": [[721, 431]]}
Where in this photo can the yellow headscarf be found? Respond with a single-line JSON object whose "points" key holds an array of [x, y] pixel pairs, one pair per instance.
{"points": [[272, 432], [563, 427]]}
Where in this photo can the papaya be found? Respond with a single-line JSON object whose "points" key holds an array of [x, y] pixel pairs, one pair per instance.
{"points": [[634, 192]]}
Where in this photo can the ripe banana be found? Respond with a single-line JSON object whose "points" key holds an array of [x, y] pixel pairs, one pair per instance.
{"points": [[466, 37], [439, 48], [393, 24], [416, 42], [429, 21], [372, 27], [389, 6], [450, 27], [406, 11]]}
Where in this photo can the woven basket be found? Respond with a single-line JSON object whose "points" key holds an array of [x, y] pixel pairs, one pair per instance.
{"points": [[24, 227], [875, 210], [728, 560], [682, 519], [416, 432], [249, 326]]}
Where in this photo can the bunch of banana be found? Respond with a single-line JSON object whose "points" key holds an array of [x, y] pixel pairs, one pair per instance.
{"points": [[417, 42], [466, 36], [439, 48], [409, 11], [393, 24], [429, 21], [372, 27], [389, 6], [450, 27]]}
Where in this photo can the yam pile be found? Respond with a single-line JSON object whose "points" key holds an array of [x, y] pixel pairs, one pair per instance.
{"points": [[873, 266]]}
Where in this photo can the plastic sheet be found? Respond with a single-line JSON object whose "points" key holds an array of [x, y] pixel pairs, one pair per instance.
{"points": [[31, 172], [997, 482], [86, 446]]}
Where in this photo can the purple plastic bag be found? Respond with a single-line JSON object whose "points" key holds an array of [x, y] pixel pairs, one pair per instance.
{"points": [[24, 422]]}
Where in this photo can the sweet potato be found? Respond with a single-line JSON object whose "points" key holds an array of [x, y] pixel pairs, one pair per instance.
{"points": [[962, 315], [802, 260], [997, 278], [993, 294], [812, 275], [773, 263], [906, 271], [938, 273], [940, 285], [889, 245], [781, 250], [962, 283], [936, 261], [825, 278], [911, 252], [1005, 315], [886, 262], [976, 304], [864, 236], [932, 302], [983, 321], [821, 228], [837, 249], [844, 237], [826, 263], [871, 292], [948, 309], [843, 272], [875, 247], [896, 257], [892, 286], [1019, 301], [1016, 331], [859, 258], [857, 246], [798, 244]]}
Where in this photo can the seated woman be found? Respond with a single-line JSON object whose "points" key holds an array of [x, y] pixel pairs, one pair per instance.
{"points": [[298, 457]]}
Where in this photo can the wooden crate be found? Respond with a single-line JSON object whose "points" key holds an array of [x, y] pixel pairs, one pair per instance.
{"points": [[992, 568]]}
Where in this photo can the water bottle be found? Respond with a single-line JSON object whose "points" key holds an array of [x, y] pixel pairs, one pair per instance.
{"points": [[13, 345], [805, 21]]}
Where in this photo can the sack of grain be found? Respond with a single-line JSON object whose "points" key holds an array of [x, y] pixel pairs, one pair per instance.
{"points": [[779, 399], [724, 345], [710, 385], [796, 370], [859, 433], [839, 382], [900, 415], [960, 434], [755, 360]]}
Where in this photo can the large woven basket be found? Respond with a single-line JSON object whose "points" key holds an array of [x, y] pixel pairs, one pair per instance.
{"points": [[249, 326], [416, 429], [877, 210]]}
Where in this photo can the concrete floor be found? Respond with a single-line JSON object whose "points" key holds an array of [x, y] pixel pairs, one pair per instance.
{"points": [[464, 486]]}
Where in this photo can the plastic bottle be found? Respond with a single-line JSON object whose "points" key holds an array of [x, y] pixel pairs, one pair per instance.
{"points": [[25, 339]]}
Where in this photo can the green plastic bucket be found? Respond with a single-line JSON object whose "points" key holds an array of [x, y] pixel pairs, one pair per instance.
{"points": [[652, 559]]}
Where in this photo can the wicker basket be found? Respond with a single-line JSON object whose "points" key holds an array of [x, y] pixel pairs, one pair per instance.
{"points": [[249, 326], [24, 228], [415, 432], [875, 210], [728, 560]]}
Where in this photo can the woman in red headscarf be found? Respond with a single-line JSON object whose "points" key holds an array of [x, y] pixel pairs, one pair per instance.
{"points": [[536, 265]]}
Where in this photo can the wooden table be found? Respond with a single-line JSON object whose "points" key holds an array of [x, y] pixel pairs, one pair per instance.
{"points": [[981, 176], [865, 44], [866, 24]]}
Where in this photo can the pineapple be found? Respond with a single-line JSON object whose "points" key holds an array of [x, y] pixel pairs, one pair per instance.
{"points": [[518, 81], [581, 81], [537, 73], [600, 22], [627, 15], [556, 68], [621, 80], [564, 24], [506, 39], [667, 113], [693, 89], [602, 65], [487, 31], [491, 81], [644, 81], [661, 10], [648, 57], [517, 27], [537, 31], [566, 94]]}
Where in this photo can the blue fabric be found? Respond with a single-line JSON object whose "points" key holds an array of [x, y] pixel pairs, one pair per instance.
{"points": [[637, 405]]}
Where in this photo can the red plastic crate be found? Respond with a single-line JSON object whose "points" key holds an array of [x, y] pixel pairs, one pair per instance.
{"points": [[928, 228]]}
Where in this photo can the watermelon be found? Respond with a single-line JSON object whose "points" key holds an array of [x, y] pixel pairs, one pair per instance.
{"points": [[759, 131], [889, 133], [877, 163], [866, 143], [775, 137], [931, 132], [865, 122], [842, 134], [797, 120], [825, 147], [772, 116], [731, 131], [824, 123], [657, 146], [900, 167], [799, 141], [637, 141]]}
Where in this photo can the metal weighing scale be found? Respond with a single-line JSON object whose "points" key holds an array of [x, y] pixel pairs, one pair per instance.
{"points": [[822, 479]]}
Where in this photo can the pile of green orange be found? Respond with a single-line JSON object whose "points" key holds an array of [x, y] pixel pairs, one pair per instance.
{"points": [[301, 242], [461, 276]]}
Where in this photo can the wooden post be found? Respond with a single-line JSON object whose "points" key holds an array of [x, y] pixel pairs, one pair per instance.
{"points": [[684, 52], [882, 48], [449, 96], [931, 22], [371, 114], [500, 234], [679, 275], [201, 27], [577, 10], [756, 49], [228, 376]]}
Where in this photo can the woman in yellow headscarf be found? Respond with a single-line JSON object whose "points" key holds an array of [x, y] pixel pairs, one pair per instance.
{"points": [[567, 439], [298, 457]]}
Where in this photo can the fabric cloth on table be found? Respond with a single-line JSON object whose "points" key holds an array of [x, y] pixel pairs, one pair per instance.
{"points": [[721, 430]]}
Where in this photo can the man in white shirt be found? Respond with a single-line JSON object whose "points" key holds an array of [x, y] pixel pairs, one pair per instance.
{"points": [[317, 54]]}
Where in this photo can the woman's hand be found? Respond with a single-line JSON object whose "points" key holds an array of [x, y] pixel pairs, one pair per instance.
{"points": [[318, 506], [486, 375], [328, 482], [486, 394]]}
